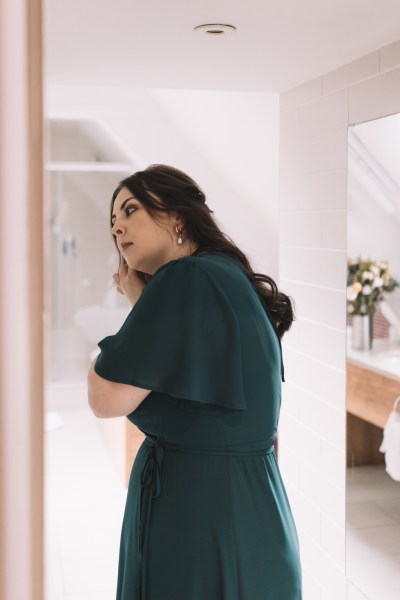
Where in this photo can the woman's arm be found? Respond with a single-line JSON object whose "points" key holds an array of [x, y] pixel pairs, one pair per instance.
{"points": [[109, 399]]}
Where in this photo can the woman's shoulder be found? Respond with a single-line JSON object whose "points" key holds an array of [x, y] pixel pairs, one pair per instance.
{"points": [[217, 263], [207, 275]]}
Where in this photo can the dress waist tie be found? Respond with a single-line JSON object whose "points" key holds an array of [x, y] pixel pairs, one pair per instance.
{"points": [[150, 484]]}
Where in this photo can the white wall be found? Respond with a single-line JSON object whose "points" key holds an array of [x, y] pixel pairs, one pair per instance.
{"points": [[227, 141], [313, 202]]}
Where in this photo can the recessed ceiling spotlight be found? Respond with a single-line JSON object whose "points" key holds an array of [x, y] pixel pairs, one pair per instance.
{"points": [[215, 28]]}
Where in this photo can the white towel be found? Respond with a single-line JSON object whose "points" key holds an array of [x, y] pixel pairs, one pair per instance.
{"points": [[391, 442]]}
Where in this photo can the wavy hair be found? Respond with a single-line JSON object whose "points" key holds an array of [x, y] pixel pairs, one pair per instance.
{"points": [[177, 192]]}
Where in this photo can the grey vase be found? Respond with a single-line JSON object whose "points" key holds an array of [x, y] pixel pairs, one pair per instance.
{"points": [[362, 332]]}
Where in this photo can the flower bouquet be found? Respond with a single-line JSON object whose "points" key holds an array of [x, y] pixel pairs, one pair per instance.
{"points": [[366, 281]]}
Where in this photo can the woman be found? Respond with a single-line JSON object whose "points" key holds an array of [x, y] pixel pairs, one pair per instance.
{"points": [[197, 366]]}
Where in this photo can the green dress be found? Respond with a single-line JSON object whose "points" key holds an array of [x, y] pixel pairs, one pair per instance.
{"points": [[207, 516]]}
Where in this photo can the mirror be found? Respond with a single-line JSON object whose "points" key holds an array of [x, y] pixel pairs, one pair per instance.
{"points": [[373, 359]]}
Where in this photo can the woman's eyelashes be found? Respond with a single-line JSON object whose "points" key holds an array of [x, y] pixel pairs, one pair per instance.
{"points": [[126, 212], [128, 207]]}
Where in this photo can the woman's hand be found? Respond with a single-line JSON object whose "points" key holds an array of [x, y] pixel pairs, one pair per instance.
{"points": [[130, 282]]}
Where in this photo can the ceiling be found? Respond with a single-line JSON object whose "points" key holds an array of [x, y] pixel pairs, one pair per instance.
{"points": [[278, 44]]}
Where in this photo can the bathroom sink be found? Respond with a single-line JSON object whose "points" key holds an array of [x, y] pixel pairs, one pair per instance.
{"points": [[389, 359]]}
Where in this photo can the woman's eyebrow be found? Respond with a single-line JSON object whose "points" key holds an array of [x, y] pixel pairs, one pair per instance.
{"points": [[123, 204]]}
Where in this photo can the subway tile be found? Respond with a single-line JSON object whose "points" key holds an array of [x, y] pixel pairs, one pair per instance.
{"points": [[288, 431], [333, 460], [390, 56], [317, 340], [323, 115], [301, 228], [333, 580], [333, 541], [298, 157], [321, 190], [354, 593], [327, 497], [317, 303], [291, 491], [289, 126], [351, 73], [288, 464], [301, 94], [333, 502], [334, 149], [311, 586], [314, 265], [309, 483], [310, 552], [328, 422], [375, 98], [289, 403], [319, 379], [309, 446], [306, 515], [334, 229], [333, 421], [325, 595]]}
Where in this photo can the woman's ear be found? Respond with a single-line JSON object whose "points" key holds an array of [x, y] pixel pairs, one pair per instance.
{"points": [[176, 220], [179, 222]]}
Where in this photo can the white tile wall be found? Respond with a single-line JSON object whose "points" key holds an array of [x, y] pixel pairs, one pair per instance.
{"points": [[313, 202], [334, 149], [351, 73], [374, 98], [334, 229], [306, 334], [317, 191], [314, 265], [300, 95], [323, 115], [390, 56], [317, 303], [318, 378]]}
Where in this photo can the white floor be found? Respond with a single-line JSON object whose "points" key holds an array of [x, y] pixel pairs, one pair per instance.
{"points": [[373, 532], [84, 506]]}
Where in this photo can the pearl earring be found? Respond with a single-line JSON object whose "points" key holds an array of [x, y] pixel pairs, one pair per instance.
{"points": [[179, 230]]}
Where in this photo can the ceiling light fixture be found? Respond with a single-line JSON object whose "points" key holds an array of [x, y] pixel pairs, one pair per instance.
{"points": [[215, 28]]}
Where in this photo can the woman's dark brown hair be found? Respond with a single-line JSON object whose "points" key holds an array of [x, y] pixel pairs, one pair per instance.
{"points": [[179, 193]]}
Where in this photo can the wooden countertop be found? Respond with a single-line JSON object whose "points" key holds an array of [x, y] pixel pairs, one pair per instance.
{"points": [[383, 358]]}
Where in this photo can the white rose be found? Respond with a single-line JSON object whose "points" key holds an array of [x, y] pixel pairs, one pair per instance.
{"points": [[367, 275], [367, 289], [351, 294], [378, 282]]}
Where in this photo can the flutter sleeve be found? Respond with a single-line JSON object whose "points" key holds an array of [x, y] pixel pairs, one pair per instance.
{"points": [[181, 338]]}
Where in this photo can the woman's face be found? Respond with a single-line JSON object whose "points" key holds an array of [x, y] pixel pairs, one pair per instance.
{"points": [[151, 243]]}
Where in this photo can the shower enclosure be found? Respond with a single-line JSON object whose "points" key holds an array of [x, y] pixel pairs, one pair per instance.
{"points": [[83, 168]]}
